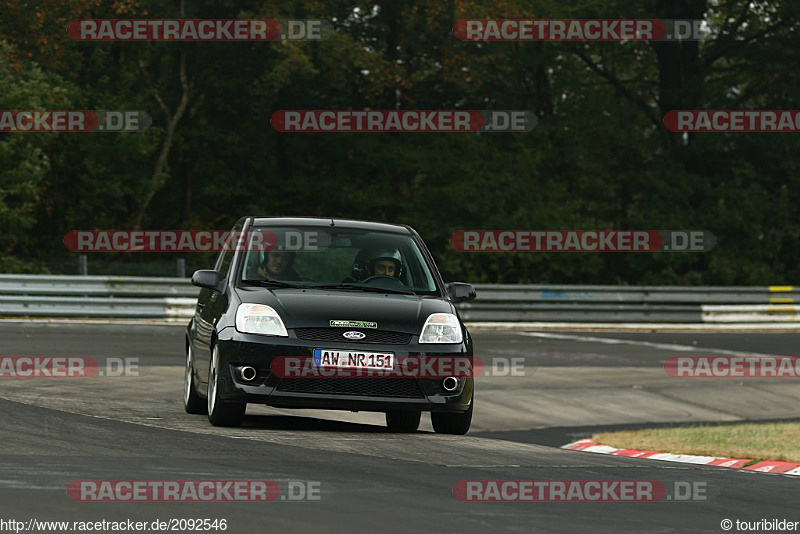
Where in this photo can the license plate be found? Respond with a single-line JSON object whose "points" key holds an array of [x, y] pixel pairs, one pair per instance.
{"points": [[345, 359]]}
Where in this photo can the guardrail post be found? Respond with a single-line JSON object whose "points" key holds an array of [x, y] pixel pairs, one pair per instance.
{"points": [[84, 264], [181, 268]]}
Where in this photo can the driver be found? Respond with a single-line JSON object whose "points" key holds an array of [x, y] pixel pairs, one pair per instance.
{"points": [[385, 263]]}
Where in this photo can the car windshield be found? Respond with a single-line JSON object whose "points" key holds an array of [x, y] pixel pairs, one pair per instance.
{"points": [[335, 259]]}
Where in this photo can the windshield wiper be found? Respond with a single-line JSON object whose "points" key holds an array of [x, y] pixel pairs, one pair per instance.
{"points": [[271, 283], [368, 289]]}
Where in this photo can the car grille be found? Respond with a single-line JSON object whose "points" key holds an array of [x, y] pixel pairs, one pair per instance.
{"points": [[406, 387], [335, 335]]}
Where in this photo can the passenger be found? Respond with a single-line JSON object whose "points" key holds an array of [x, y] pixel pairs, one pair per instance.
{"points": [[277, 265]]}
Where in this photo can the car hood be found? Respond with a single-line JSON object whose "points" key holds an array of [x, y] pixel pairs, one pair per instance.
{"points": [[317, 308]]}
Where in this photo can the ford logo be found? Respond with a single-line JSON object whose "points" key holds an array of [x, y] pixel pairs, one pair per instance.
{"points": [[354, 335]]}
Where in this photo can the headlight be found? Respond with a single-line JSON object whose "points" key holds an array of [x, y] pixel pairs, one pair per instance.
{"points": [[441, 328], [259, 319]]}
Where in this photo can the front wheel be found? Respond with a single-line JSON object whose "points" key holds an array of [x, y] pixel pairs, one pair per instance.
{"points": [[403, 421], [192, 402], [220, 411], [452, 422]]}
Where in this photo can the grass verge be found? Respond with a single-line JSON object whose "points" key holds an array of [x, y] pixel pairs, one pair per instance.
{"points": [[759, 441]]}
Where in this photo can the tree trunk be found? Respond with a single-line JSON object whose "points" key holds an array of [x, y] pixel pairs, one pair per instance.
{"points": [[161, 170]]}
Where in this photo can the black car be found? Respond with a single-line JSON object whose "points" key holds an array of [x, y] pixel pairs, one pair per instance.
{"points": [[329, 314]]}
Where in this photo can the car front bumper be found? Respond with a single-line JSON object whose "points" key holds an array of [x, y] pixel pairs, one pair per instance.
{"points": [[363, 393]]}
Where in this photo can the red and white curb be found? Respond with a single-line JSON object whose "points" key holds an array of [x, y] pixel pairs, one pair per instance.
{"points": [[785, 468]]}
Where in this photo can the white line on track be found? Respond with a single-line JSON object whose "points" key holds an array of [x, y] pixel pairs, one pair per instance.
{"points": [[662, 346], [639, 327]]}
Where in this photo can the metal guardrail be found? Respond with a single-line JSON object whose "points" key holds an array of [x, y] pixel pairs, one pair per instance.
{"points": [[632, 304], [175, 298], [638, 294], [131, 297], [104, 286]]}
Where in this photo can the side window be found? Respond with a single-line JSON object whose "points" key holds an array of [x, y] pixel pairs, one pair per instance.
{"points": [[226, 256], [419, 276]]}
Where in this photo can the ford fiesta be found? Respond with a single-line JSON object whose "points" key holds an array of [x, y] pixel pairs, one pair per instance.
{"points": [[329, 314]]}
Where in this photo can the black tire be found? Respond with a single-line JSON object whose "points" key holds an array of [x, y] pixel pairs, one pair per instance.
{"points": [[221, 412], [192, 402], [452, 422], [403, 421]]}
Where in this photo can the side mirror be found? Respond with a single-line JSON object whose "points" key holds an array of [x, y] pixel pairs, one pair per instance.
{"points": [[459, 291], [206, 278]]}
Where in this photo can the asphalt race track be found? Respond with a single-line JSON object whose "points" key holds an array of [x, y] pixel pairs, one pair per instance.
{"points": [[55, 431]]}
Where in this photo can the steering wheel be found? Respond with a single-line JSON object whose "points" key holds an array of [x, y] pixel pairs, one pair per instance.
{"points": [[381, 278]]}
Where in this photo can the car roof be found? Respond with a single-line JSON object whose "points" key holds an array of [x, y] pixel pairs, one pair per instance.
{"points": [[330, 222]]}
